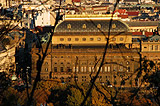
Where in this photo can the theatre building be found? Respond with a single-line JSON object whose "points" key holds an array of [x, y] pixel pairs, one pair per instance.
{"points": [[77, 50]]}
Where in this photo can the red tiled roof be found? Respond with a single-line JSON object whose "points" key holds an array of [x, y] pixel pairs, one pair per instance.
{"points": [[76, 0], [148, 34], [133, 13], [123, 16], [120, 11], [136, 33]]}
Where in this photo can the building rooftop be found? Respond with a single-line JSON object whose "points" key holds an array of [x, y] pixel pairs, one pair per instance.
{"points": [[154, 38], [142, 23], [91, 26], [130, 0]]}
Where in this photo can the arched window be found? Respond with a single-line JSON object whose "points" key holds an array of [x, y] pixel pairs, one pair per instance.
{"points": [[113, 26], [99, 26], [69, 26], [84, 26], [61, 39], [98, 39], [76, 39], [91, 39], [121, 39], [113, 39], [69, 39], [83, 39], [46, 69]]}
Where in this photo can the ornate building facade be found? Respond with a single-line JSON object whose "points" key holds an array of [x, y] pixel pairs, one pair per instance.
{"points": [[151, 49], [77, 50]]}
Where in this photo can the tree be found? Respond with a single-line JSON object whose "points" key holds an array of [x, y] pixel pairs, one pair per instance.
{"points": [[138, 100], [10, 97], [75, 97], [5, 83], [75, 94], [98, 98]]}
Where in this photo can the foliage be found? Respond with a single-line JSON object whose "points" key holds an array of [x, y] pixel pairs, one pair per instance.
{"points": [[10, 97], [4, 83], [58, 96], [67, 95], [75, 97], [138, 100], [149, 75], [98, 99]]}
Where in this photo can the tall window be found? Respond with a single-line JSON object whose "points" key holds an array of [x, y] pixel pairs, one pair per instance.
{"points": [[62, 69], [105, 69], [73, 69], [115, 68], [156, 47], [121, 68], [109, 68], [101, 69], [68, 69], [150, 47], [85, 69], [46, 69], [55, 69], [81, 69], [90, 69], [97, 68], [76, 69]]}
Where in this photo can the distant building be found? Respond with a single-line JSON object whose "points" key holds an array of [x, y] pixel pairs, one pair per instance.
{"points": [[112, 1], [147, 1], [5, 3], [100, 9], [8, 51], [68, 1], [131, 1], [76, 2], [42, 16], [143, 27], [151, 49], [152, 44]]}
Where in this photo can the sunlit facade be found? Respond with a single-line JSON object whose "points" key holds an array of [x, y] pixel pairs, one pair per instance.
{"points": [[77, 49]]}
